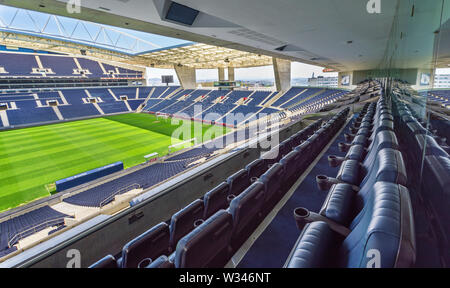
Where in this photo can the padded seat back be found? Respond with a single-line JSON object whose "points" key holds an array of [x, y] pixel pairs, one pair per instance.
{"points": [[207, 245], [314, 247], [271, 157], [273, 180], [383, 231], [151, 244], [183, 221], [238, 182], [293, 164], [256, 168], [245, 209], [216, 199]]}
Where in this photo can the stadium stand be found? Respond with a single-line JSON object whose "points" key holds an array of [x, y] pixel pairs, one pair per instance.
{"points": [[22, 65], [217, 232], [29, 223]]}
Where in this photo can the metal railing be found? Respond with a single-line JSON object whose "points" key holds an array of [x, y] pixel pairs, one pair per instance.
{"points": [[36, 228], [118, 192]]}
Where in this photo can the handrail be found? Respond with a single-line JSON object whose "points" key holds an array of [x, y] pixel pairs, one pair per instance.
{"points": [[120, 191], [19, 235]]}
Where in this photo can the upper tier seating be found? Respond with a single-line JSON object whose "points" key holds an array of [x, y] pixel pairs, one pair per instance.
{"points": [[22, 65]]}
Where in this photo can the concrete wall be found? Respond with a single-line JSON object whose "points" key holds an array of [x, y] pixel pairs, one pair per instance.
{"points": [[187, 77], [346, 80], [282, 70]]}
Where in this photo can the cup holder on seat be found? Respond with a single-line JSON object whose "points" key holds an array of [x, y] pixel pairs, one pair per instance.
{"points": [[230, 198], [144, 263], [324, 183], [335, 161], [301, 217], [198, 222]]}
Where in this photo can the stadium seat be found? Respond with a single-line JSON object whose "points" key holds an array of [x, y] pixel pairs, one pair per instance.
{"points": [[208, 246], [238, 182], [184, 221], [383, 236], [149, 245], [246, 211], [273, 188], [216, 199], [256, 168]]}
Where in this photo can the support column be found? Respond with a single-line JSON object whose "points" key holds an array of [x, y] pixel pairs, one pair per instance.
{"points": [[424, 79], [231, 74], [221, 74], [346, 80], [187, 77], [282, 69]]}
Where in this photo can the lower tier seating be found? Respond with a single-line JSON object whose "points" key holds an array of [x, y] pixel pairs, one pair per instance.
{"points": [[209, 230]]}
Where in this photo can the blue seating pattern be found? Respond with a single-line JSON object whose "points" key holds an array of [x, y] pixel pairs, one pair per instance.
{"points": [[22, 65], [217, 104], [19, 227]]}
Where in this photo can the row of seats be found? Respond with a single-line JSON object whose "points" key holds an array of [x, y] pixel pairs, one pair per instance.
{"points": [[434, 174], [366, 219], [21, 65], [209, 230]]}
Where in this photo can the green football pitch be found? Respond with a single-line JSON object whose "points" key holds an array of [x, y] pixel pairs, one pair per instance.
{"points": [[32, 159]]}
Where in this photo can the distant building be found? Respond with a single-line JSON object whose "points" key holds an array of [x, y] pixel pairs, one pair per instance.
{"points": [[442, 81], [323, 81]]}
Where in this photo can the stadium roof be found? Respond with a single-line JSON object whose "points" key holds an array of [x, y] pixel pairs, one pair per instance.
{"points": [[42, 31], [346, 37], [203, 56]]}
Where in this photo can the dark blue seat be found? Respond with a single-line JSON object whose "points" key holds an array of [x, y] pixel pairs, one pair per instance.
{"points": [[183, 221], [208, 245], [382, 235], [272, 181], [294, 164], [151, 244], [238, 182], [271, 157], [387, 165], [216, 199], [246, 211], [256, 168]]}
